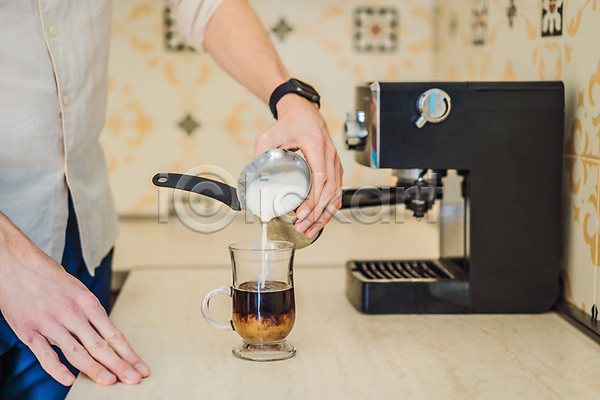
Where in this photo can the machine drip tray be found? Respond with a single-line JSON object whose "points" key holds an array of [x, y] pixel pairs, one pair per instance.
{"points": [[407, 287], [418, 270]]}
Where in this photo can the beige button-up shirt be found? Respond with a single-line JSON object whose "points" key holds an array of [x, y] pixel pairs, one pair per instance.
{"points": [[53, 89]]}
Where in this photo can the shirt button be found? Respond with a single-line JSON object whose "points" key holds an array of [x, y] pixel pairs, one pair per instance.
{"points": [[53, 30], [66, 100]]}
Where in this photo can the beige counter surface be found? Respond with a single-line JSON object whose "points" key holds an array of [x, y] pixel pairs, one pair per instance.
{"points": [[342, 354]]}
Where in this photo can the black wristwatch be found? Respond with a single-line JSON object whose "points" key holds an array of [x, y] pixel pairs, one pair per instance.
{"points": [[293, 86]]}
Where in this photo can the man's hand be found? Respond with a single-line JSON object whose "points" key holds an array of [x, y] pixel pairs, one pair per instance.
{"points": [[44, 305], [301, 126]]}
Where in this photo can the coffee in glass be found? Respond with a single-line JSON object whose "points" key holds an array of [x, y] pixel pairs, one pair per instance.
{"points": [[264, 308]]}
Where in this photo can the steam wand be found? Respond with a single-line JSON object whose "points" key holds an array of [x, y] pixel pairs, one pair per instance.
{"points": [[419, 197]]}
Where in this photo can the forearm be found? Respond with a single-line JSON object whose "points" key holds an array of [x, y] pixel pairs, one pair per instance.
{"points": [[8, 231], [236, 38], [5, 224], [13, 243]]}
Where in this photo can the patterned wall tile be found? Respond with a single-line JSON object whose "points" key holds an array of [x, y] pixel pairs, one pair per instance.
{"points": [[453, 26], [188, 124], [511, 12], [580, 210], [552, 17], [582, 135], [173, 40], [376, 29], [479, 23], [282, 29]]}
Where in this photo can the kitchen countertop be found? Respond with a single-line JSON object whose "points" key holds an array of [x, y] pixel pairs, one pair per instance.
{"points": [[341, 352]]}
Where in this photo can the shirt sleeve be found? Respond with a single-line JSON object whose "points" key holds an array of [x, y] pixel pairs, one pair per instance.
{"points": [[192, 18]]}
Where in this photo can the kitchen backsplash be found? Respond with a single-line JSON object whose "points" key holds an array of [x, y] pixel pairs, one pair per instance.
{"points": [[171, 109], [541, 40]]}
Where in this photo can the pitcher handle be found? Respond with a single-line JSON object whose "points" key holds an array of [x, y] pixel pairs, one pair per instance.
{"points": [[226, 326], [207, 187]]}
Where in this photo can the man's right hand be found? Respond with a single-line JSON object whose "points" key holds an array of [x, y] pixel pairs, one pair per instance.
{"points": [[45, 305]]}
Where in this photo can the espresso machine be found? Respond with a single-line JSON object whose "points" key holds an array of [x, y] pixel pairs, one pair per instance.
{"points": [[500, 144]]}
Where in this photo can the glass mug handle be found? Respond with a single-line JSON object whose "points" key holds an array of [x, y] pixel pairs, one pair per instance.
{"points": [[226, 326]]}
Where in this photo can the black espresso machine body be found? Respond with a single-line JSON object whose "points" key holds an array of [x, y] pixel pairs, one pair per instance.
{"points": [[505, 140]]}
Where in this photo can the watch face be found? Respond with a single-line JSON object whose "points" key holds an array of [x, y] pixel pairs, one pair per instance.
{"points": [[306, 90]]}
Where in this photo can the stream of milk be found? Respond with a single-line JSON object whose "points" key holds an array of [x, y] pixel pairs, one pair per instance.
{"points": [[271, 196], [265, 271]]}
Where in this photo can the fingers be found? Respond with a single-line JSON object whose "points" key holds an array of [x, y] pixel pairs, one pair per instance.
{"points": [[332, 205], [315, 156], [102, 352], [49, 360], [103, 357], [329, 201], [339, 171], [321, 214], [79, 357], [117, 341]]}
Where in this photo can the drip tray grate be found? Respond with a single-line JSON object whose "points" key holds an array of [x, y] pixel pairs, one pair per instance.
{"points": [[402, 270]]}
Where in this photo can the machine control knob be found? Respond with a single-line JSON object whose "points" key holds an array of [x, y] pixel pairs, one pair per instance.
{"points": [[356, 130], [433, 106]]}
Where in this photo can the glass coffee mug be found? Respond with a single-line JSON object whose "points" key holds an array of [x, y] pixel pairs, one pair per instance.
{"points": [[264, 309]]}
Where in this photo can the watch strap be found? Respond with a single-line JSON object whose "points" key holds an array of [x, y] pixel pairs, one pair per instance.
{"points": [[293, 86]]}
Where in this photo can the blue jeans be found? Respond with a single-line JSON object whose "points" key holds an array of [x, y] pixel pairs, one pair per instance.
{"points": [[21, 375]]}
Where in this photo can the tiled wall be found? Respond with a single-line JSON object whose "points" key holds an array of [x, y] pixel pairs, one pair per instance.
{"points": [[541, 40], [171, 109]]}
